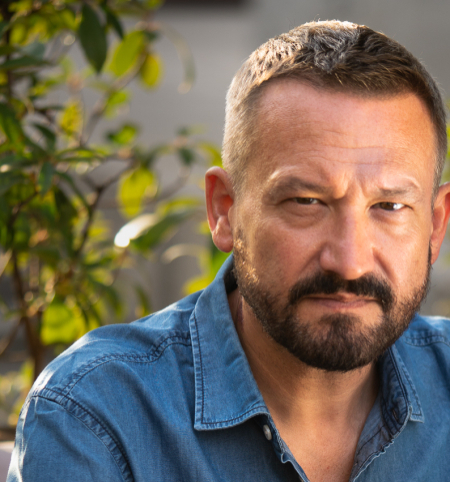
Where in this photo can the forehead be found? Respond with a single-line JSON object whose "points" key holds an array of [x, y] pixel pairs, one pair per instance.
{"points": [[298, 125]]}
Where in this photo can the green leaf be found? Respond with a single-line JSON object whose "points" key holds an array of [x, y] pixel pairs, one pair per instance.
{"points": [[127, 53], [61, 323], [144, 306], [151, 70], [113, 21], [115, 100], [215, 159], [151, 36], [66, 177], [45, 178], [71, 119], [3, 26], [8, 180], [161, 230], [124, 135], [186, 155], [50, 136], [11, 126], [35, 50], [20, 62], [132, 189], [93, 38]]}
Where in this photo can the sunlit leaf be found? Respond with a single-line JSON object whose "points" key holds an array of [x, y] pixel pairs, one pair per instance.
{"points": [[151, 70], [115, 101], [93, 38], [132, 189], [45, 178], [125, 135], [61, 323], [161, 230], [126, 53], [213, 153], [153, 4], [71, 119]]}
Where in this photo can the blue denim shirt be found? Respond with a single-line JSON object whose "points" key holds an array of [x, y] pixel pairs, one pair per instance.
{"points": [[172, 398]]}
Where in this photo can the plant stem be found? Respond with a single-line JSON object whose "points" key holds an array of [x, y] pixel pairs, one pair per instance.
{"points": [[34, 343]]}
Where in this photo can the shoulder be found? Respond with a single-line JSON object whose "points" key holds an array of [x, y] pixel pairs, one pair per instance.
{"points": [[106, 351], [425, 350], [428, 330]]}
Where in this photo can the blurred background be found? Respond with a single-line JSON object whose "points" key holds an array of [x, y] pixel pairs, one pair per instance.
{"points": [[194, 48]]}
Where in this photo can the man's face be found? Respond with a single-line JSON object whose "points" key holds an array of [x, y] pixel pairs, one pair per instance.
{"points": [[332, 230]]}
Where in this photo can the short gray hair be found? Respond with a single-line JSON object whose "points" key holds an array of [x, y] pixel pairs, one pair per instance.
{"points": [[334, 55]]}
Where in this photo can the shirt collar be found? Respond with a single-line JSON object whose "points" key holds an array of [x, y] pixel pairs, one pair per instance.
{"points": [[399, 398], [226, 394]]}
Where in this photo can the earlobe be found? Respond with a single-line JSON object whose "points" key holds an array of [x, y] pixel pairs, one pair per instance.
{"points": [[219, 202], [441, 213]]}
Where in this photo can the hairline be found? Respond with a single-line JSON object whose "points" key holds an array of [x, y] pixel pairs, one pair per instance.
{"points": [[252, 103]]}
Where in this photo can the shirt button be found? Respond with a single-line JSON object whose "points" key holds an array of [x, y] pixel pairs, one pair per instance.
{"points": [[267, 432]]}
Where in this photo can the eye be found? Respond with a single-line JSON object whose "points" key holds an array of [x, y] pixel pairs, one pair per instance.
{"points": [[389, 206], [305, 200]]}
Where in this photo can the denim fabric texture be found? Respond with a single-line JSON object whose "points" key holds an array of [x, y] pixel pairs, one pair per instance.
{"points": [[171, 397]]}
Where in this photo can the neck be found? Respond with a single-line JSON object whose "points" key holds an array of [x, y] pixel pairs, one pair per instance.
{"points": [[296, 393]]}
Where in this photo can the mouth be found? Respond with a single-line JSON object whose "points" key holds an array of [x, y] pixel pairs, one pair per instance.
{"points": [[340, 301]]}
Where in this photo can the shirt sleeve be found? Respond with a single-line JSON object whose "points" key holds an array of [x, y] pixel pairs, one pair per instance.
{"points": [[53, 445]]}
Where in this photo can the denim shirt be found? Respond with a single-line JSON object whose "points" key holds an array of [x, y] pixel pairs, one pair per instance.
{"points": [[171, 397]]}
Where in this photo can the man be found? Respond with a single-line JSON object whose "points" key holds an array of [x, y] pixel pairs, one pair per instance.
{"points": [[292, 364]]}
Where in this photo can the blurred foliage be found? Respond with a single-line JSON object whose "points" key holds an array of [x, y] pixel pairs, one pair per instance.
{"points": [[57, 254]]}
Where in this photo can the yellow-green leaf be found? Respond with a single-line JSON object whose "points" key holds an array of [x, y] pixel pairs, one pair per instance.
{"points": [[151, 70], [71, 119], [133, 188], [61, 323], [127, 53]]}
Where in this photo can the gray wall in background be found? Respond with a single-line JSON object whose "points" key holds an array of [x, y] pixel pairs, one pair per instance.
{"points": [[221, 39]]}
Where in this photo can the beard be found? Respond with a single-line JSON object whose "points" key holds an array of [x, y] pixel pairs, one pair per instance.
{"points": [[336, 342]]}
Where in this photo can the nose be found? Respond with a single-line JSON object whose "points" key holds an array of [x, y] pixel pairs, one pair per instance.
{"points": [[348, 249]]}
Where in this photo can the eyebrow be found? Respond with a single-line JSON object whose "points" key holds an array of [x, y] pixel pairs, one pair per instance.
{"points": [[295, 184]]}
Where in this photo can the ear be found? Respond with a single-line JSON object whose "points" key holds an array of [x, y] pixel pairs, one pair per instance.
{"points": [[219, 201], [441, 213]]}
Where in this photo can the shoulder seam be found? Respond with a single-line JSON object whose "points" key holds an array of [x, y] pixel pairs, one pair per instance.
{"points": [[150, 357]]}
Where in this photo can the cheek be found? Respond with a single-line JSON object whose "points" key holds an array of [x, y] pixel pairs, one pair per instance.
{"points": [[282, 254]]}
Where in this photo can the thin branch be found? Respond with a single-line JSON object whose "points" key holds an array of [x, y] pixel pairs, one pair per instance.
{"points": [[6, 341], [100, 106]]}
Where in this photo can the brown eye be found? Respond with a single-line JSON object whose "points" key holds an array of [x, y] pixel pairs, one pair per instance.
{"points": [[388, 206], [306, 200]]}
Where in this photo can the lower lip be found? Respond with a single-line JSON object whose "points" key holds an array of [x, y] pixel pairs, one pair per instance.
{"points": [[337, 305]]}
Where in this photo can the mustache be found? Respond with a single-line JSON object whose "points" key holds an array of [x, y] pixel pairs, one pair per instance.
{"points": [[331, 283]]}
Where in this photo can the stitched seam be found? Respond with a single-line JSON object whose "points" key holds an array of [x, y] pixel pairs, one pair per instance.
{"points": [[147, 358], [426, 341], [90, 428], [413, 390], [236, 418], [201, 367], [365, 443], [398, 375]]}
